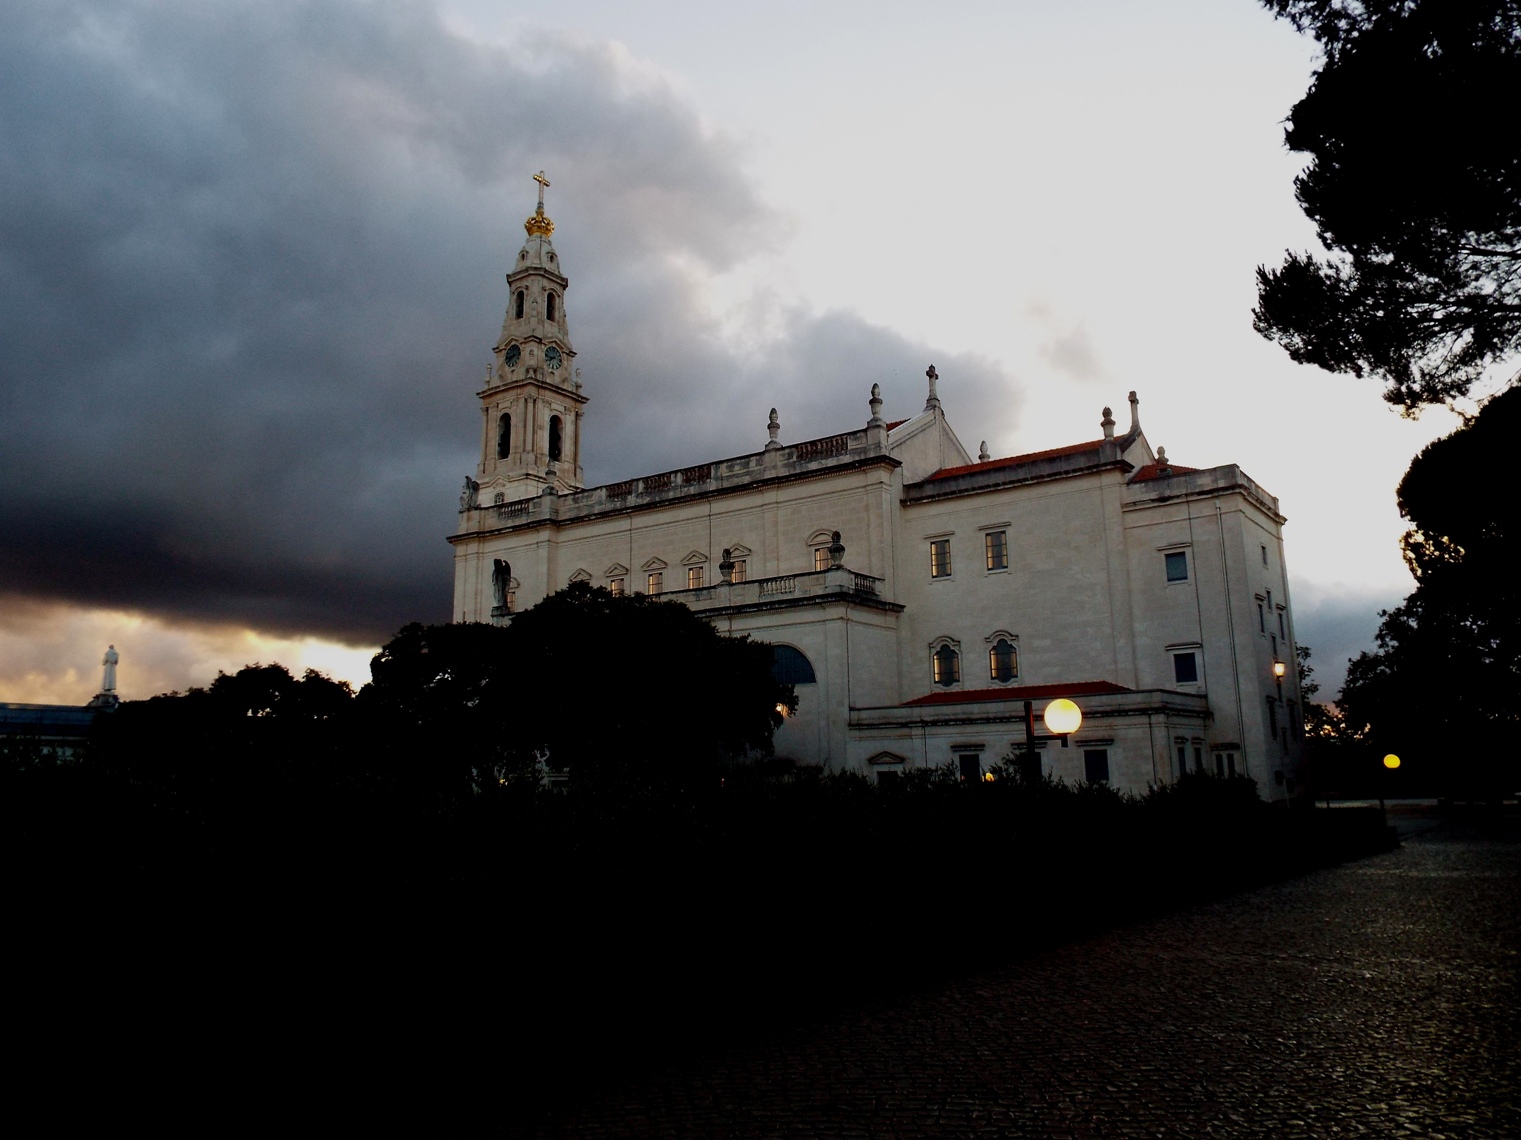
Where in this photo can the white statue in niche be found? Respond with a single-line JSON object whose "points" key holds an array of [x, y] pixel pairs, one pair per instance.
{"points": [[108, 681]]}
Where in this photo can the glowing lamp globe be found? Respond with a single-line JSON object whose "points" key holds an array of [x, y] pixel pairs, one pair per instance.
{"points": [[1063, 717], [1391, 761]]}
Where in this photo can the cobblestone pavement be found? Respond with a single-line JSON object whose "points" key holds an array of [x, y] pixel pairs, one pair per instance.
{"points": [[1378, 999]]}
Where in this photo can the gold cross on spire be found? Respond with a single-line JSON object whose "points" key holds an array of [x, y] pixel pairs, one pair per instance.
{"points": [[543, 182]]}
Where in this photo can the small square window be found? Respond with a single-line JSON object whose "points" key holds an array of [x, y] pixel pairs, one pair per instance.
{"points": [[821, 558], [740, 573], [1096, 765], [653, 583], [997, 544], [694, 577], [1177, 565], [617, 587], [1185, 668], [940, 558]]}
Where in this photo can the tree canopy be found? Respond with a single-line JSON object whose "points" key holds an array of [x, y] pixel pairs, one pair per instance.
{"points": [[1414, 186], [1445, 679], [631, 692]]}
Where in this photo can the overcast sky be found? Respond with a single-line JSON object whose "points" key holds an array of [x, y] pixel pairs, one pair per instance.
{"points": [[251, 261]]}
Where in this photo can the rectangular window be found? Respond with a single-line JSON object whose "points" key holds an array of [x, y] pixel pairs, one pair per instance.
{"points": [[1264, 556], [1096, 765], [971, 766], [1281, 633], [997, 544], [940, 558], [616, 586], [1219, 763], [1177, 565], [1185, 668], [740, 573], [1230, 763], [1261, 619], [1198, 759], [694, 577], [1273, 637], [821, 558], [653, 582], [1182, 760], [1272, 718]]}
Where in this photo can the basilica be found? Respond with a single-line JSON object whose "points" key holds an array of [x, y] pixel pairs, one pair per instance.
{"points": [[923, 601]]}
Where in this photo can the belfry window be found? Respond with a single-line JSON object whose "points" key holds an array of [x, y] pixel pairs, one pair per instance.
{"points": [[554, 438], [549, 307], [504, 436], [945, 664], [517, 305]]}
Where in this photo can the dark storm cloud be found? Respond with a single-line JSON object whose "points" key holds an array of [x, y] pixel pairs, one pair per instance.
{"points": [[1337, 624], [250, 270]]}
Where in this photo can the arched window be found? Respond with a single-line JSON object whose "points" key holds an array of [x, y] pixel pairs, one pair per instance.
{"points": [[549, 307], [790, 667], [504, 436], [946, 664], [1003, 661], [517, 305], [554, 437]]}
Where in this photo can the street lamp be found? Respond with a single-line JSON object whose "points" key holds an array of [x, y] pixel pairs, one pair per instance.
{"points": [[1062, 718]]}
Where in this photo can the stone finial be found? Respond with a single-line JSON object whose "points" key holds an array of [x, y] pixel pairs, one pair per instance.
{"points": [[578, 379], [726, 567], [488, 375], [774, 426], [836, 550], [934, 396], [1107, 423], [983, 455], [876, 406], [1163, 467], [1135, 413]]}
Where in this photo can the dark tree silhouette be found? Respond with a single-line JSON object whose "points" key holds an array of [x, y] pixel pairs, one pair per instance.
{"points": [[1414, 186], [628, 692], [1445, 681]]}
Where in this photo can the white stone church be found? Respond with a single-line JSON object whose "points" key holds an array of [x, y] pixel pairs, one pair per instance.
{"points": [[918, 597]]}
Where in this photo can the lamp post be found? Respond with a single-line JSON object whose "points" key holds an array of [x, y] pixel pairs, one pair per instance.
{"points": [[1062, 718]]}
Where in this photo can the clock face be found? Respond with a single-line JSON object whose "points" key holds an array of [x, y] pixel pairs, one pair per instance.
{"points": [[514, 354], [552, 358]]}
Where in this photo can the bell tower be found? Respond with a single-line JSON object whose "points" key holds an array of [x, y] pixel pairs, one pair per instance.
{"points": [[532, 402]]}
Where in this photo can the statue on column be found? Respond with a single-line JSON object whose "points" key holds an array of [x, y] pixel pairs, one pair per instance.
{"points": [[501, 575], [108, 681]]}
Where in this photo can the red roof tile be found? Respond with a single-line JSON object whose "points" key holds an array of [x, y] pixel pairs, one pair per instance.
{"points": [[896, 423], [1016, 460], [1020, 693], [1154, 471]]}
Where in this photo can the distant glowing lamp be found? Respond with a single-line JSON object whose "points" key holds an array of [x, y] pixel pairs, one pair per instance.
{"points": [[1391, 761], [1063, 717], [1280, 670], [987, 777], [781, 711]]}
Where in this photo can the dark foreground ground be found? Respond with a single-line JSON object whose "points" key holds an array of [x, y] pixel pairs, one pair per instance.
{"points": [[1378, 998]]}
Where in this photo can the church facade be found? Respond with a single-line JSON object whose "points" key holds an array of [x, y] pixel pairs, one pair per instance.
{"points": [[921, 600]]}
